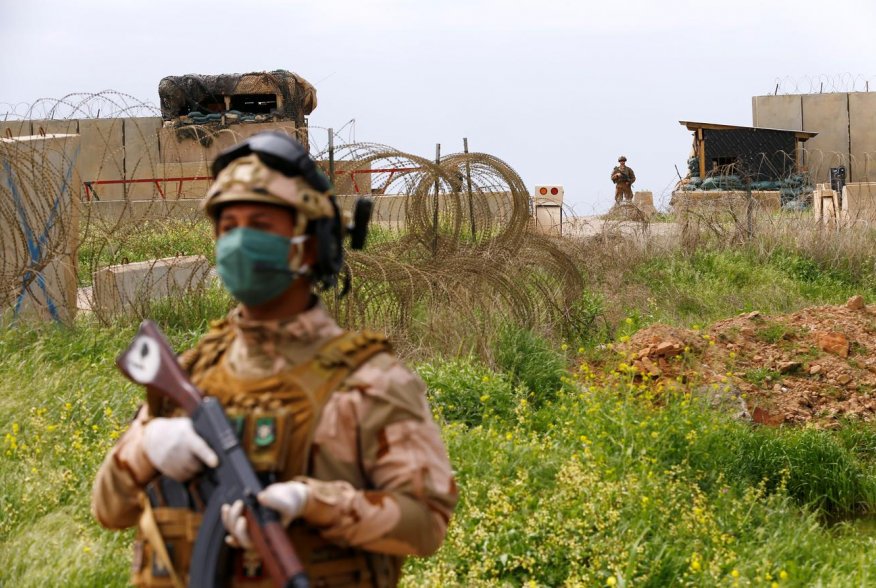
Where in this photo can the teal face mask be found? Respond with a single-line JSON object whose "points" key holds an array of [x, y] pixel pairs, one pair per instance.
{"points": [[254, 265]]}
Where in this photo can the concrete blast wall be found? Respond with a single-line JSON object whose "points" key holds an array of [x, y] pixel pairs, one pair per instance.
{"points": [[862, 117], [845, 123], [139, 159], [39, 199]]}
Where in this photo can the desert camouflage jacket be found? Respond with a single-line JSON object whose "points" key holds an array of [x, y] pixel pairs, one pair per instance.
{"points": [[378, 470]]}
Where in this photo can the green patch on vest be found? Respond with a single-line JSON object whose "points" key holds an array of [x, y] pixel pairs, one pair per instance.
{"points": [[265, 431]]}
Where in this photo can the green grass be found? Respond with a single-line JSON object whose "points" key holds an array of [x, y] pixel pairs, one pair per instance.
{"points": [[773, 332], [601, 485], [595, 483], [531, 362], [711, 284], [762, 377]]}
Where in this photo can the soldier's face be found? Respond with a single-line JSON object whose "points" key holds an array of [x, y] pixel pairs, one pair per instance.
{"points": [[255, 215], [269, 218]]}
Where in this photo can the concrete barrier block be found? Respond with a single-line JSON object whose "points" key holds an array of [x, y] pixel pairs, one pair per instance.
{"points": [[862, 137], [103, 157], [141, 154], [778, 112], [39, 196], [47, 294], [55, 127], [644, 201], [130, 288], [15, 128], [859, 201]]}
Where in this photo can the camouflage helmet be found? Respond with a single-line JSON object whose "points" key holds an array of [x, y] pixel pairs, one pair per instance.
{"points": [[274, 168], [622, 158], [270, 168]]}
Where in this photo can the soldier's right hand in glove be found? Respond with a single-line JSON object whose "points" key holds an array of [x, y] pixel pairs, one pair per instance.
{"points": [[175, 449]]}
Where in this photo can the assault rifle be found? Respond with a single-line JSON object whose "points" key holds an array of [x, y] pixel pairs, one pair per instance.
{"points": [[150, 361]]}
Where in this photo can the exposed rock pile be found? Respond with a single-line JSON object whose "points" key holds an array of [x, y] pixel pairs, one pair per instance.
{"points": [[814, 366]]}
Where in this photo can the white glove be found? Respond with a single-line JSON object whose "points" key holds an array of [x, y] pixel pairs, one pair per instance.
{"points": [[235, 524], [287, 498], [175, 449]]}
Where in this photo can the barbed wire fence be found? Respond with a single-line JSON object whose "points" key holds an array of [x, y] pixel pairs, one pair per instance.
{"points": [[823, 83], [110, 227]]}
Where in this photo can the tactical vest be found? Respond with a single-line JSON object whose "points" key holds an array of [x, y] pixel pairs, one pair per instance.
{"points": [[274, 418]]}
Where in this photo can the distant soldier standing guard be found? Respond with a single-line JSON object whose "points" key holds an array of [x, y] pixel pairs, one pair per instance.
{"points": [[623, 178], [337, 427]]}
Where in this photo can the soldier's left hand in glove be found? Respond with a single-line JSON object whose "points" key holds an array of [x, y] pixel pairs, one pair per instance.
{"points": [[287, 498]]}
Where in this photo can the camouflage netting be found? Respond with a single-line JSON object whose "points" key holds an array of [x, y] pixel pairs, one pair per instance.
{"points": [[181, 95]]}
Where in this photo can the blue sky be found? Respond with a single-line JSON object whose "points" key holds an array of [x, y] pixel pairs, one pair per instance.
{"points": [[557, 89]]}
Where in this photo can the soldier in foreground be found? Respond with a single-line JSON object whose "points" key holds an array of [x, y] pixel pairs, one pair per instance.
{"points": [[623, 178], [337, 428]]}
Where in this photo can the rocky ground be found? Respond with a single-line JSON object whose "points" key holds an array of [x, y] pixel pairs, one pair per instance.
{"points": [[816, 366]]}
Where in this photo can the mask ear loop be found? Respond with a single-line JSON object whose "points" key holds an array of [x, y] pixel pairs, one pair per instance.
{"points": [[296, 258]]}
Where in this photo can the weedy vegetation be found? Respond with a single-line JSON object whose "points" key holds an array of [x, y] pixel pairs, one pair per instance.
{"points": [[565, 478]]}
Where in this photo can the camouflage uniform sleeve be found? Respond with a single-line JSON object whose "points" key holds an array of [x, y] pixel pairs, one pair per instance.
{"points": [[383, 426], [116, 495], [631, 174]]}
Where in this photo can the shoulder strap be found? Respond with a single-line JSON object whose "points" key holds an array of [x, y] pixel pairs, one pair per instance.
{"points": [[149, 528], [338, 359], [210, 349]]}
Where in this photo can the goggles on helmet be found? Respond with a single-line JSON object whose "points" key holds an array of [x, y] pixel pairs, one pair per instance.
{"points": [[279, 152]]}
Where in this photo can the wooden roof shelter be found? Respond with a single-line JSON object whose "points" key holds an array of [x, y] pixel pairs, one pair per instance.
{"points": [[768, 152]]}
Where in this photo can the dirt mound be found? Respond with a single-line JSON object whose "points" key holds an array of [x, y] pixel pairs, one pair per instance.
{"points": [[814, 366]]}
